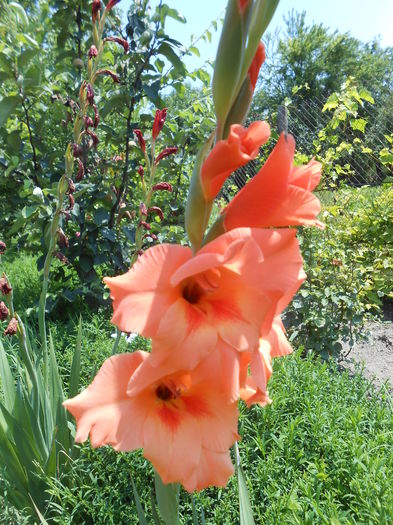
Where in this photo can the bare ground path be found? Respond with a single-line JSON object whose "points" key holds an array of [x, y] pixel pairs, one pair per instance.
{"points": [[376, 354]]}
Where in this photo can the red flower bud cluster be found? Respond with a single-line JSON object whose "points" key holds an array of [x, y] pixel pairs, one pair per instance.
{"points": [[162, 186], [95, 8], [165, 153], [120, 41], [141, 140], [93, 52], [141, 172], [159, 121], [90, 94]]}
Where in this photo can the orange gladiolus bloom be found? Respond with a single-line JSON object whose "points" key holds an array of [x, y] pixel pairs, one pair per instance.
{"points": [[241, 146], [228, 293], [279, 194], [183, 420]]}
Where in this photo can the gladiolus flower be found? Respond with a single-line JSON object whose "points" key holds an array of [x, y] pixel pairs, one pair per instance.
{"points": [[158, 211], [279, 194], [241, 146], [90, 94], [182, 419], [141, 172], [81, 171], [145, 224], [141, 140], [96, 116], [62, 239], [143, 209], [159, 121], [165, 153], [228, 293]]}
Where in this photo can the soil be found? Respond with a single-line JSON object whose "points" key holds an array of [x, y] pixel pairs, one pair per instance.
{"points": [[374, 354]]}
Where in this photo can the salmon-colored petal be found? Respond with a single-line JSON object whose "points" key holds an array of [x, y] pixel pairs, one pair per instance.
{"points": [[264, 193], [252, 395], [214, 469], [261, 368], [240, 147], [173, 447], [307, 176], [299, 207], [276, 341], [104, 407], [185, 336], [143, 294]]}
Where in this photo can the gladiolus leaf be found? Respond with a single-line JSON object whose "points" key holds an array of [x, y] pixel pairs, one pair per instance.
{"points": [[7, 381], [138, 504], [76, 361], [246, 516], [167, 500]]}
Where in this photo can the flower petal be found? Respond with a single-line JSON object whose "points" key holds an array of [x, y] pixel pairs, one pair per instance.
{"points": [[143, 294], [214, 468], [104, 408]]}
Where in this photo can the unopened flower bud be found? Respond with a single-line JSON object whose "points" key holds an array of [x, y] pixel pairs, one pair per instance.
{"points": [[96, 116], [159, 121], [162, 186], [165, 153], [3, 247], [62, 258], [77, 150], [93, 136], [4, 312], [157, 211], [71, 202], [141, 140], [145, 224], [111, 4], [71, 186], [90, 94], [88, 121], [141, 172], [11, 328], [5, 287], [143, 209], [67, 214], [81, 171], [120, 41], [62, 239], [95, 8], [108, 72], [92, 52], [152, 236]]}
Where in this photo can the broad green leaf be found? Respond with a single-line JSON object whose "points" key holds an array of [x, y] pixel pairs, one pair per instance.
{"points": [[7, 107], [167, 51], [76, 363], [167, 500], [7, 381], [175, 14], [194, 50], [359, 124]]}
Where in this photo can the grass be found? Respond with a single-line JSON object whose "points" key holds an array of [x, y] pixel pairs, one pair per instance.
{"points": [[321, 453]]}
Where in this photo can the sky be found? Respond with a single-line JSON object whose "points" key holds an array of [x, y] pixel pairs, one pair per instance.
{"points": [[363, 19]]}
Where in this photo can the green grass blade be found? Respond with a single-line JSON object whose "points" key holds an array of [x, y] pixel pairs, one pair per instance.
{"points": [[246, 515], [41, 517], [76, 363], [138, 504], [154, 512]]}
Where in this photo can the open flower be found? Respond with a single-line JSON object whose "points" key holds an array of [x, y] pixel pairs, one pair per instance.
{"points": [[241, 146], [229, 292], [279, 194], [182, 420]]}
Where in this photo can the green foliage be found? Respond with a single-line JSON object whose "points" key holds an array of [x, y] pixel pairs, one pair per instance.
{"points": [[321, 453], [349, 269]]}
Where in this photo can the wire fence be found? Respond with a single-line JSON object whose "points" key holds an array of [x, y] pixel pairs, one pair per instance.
{"points": [[360, 161]]}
